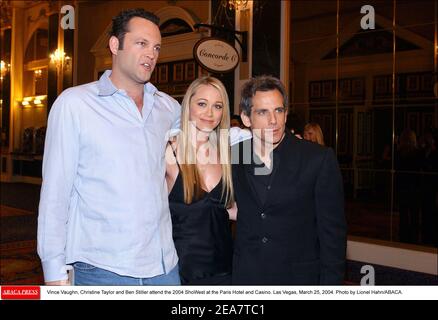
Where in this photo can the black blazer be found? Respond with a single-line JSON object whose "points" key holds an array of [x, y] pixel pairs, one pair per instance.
{"points": [[298, 237]]}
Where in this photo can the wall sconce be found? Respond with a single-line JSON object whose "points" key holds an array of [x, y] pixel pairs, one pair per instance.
{"points": [[4, 69], [38, 74], [26, 102], [59, 59], [235, 4], [36, 101]]}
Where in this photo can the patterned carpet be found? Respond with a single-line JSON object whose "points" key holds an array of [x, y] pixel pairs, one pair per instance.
{"points": [[19, 262]]}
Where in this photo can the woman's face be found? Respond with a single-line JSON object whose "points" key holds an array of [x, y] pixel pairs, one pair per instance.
{"points": [[206, 108], [310, 134]]}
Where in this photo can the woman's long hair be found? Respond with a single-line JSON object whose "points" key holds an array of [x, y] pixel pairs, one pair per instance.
{"points": [[186, 143], [318, 132]]}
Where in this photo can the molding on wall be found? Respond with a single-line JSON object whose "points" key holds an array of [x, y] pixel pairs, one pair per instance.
{"points": [[395, 255]]}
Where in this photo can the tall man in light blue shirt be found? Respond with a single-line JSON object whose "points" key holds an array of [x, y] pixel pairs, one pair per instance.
{"points": [[104, 204]]}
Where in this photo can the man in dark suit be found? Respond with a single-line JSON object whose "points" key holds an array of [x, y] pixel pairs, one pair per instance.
{"points": [[291, 227]]}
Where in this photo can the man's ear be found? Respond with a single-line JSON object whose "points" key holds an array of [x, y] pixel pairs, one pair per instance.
{"points": [[113, 44], [245, 119]]}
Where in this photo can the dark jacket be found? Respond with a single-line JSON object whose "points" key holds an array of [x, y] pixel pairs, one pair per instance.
{"points": [[298, 237]]}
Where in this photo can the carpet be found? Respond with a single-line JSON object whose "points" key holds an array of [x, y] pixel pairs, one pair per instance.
{"points": [[20, 264], [19, 261]]}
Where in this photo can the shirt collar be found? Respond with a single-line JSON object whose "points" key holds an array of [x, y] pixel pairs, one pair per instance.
{"points": [[107, 88]]}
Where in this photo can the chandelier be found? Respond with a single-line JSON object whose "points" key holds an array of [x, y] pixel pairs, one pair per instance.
{"points": [[235, 4], [4, 69], [59, 58]]}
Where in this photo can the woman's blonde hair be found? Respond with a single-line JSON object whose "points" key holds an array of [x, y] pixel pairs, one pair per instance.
{"points": [[318, 132], [187, 149]]}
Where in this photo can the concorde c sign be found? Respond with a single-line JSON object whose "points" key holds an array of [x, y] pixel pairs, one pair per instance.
{"points": [[216, 55]]}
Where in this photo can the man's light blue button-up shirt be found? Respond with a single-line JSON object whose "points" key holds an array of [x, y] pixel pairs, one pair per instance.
{"points": [[104, 198]]}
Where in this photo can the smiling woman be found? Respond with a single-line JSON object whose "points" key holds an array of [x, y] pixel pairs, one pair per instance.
{"points": [[199, 182]]}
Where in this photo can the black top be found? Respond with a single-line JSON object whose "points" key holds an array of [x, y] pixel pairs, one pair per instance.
{"points": [[202, 236], [261, 177]]}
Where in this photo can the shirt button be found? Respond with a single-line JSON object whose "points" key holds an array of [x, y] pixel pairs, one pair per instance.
{"points": [[264, 240], [269, 187], [263, 215]]}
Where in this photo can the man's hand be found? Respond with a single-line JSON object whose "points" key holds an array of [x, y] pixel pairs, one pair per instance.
{"points": [[59, 283]]}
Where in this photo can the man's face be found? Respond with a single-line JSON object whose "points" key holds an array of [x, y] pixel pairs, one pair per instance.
{"points": [[141, 47], [268, 117]]}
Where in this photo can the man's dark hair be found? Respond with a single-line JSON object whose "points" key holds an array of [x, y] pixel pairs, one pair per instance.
{"points": [[260, 83], [237, 117], [120, 22]]}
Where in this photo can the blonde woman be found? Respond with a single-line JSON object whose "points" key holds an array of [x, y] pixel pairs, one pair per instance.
{"points": [[200, 185], [313, 132]]}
